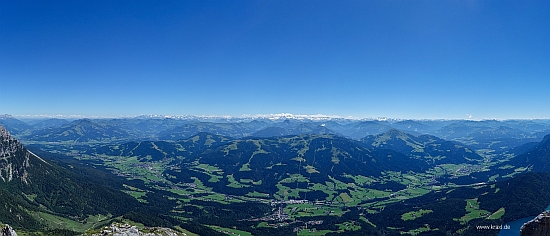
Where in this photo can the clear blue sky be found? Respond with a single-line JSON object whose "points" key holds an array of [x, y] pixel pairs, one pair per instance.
{"points": [[401, 59]]}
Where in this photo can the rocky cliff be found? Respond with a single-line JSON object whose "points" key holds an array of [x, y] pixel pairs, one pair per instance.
{"points": [[9, 144], [14, 158], [7, 231], [120, 229], [540, 226]]}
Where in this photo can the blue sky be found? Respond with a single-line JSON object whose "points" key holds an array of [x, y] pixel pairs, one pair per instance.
{"points": [[401, 59]]}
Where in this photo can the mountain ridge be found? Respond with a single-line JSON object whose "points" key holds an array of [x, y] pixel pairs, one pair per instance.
{"points": [[82, 130], [30, 184], [427, 147], [537, 158]]}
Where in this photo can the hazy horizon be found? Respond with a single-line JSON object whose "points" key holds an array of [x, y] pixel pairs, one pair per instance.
{"points": [[259, 116]]}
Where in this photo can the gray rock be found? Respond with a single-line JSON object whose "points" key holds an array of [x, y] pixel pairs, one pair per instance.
{"points": [[119, 229], [7, 231], [540, 226]]}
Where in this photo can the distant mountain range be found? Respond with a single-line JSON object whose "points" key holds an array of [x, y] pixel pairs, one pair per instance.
{"points": [[499, 136], [235, 130], [15, 126], [159, 150], [286, 129], [207, 118], [537, 158], [425, 147], [83, 130]]}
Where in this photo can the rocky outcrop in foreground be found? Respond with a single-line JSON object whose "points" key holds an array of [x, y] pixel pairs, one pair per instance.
{"points": [[120, 229], [7, 231], [540, 226]]}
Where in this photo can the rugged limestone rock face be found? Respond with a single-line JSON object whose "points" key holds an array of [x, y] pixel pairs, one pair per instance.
{"points": [[14, 158], [7, 231], [119, 229], [540, 226], [9, 144]]}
